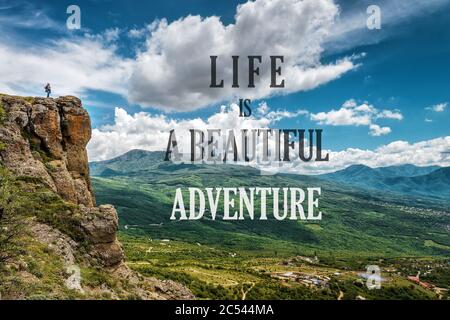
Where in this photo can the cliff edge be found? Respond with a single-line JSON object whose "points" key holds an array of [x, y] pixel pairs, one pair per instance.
{"points": [[43, 148]]}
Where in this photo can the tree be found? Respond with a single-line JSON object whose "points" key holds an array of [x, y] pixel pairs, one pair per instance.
{"points": [[10, 224]]}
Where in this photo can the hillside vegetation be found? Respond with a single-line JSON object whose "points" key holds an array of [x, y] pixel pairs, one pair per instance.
{"points": [[55, 243], [247, 259]]}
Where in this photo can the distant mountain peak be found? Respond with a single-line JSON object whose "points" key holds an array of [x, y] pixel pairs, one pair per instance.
{"points": [[357, 167], [139, 151], [135, 152], [430, 181]]}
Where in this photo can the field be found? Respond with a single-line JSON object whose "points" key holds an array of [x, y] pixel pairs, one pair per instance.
{"points": [[271, 259], [214, 273], [352, 222]]}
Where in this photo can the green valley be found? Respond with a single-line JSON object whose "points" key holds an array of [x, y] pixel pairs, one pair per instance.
{"points": [[223, 259]]}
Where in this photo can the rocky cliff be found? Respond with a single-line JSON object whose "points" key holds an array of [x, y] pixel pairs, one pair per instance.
{"points": [[43, 141], [47, 138]]}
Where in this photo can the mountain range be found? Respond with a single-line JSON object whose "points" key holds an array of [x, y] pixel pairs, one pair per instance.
{"points": [[357, 220], [431, 182]]}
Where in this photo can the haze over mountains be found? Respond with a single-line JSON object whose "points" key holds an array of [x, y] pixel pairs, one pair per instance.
{"points": [[431, 181], [355, 219]]}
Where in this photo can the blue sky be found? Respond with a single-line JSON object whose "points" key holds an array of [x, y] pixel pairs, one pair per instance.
{"points": [[403, 68]]}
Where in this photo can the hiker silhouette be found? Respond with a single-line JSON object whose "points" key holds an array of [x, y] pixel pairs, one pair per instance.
{"points": [[48, 89]]}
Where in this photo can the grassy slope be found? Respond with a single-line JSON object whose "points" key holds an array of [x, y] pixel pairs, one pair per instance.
{"points": [[35, 270], [211, 272], [218, 259], [353, 223]]}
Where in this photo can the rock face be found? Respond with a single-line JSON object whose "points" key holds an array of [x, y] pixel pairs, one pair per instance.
{"points": [[45, 139]]}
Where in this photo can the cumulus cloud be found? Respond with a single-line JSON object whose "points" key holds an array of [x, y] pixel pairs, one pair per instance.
{"points": [[169, 65], [173, 71], [389, 114], [440, 107], [151, 132], [423, 153], [376, 131], [352, 114]]}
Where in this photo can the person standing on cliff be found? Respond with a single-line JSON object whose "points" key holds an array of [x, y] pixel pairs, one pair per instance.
{"points": [[48, 89]]}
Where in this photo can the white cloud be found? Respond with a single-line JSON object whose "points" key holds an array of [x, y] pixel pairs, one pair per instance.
{"points": [[170, 68], [151, 132], [352, 114], [351, 103], [173, 72], [342, 117], [112, 34], [72, 66], [376, 130], [72, 63], [423, 153], [136, 33], [389, 114], [440, 107]]}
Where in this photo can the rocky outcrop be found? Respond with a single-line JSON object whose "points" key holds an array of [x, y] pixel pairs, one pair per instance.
{"points": [[134, 284], [45, 139]]}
